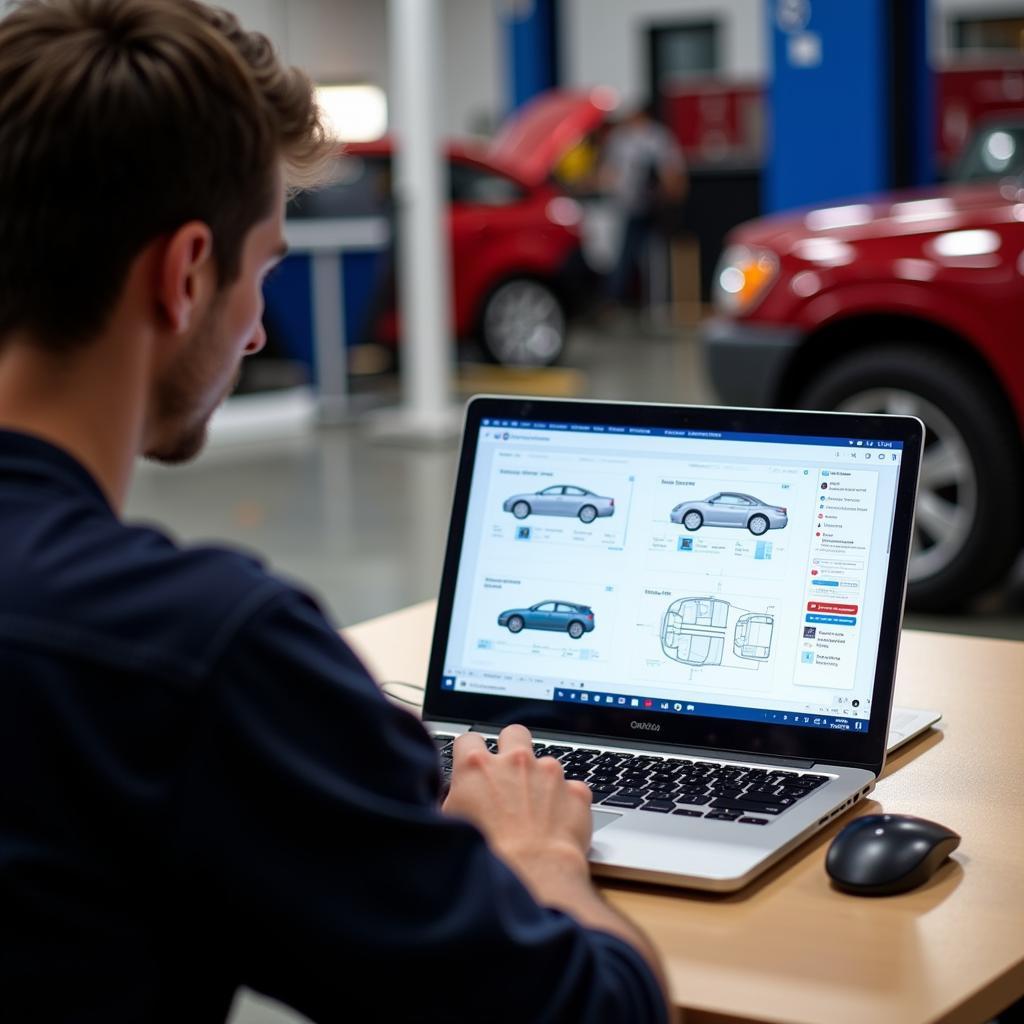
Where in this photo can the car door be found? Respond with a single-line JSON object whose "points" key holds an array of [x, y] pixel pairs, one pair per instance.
{"points": [[487, 212], [729, 510], [575, 499], [542, 616], [549, 501]]}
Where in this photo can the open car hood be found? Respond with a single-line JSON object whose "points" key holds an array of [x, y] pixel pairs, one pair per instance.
{"points": [[536, 137]]}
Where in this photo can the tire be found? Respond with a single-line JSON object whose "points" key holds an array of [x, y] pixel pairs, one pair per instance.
{"points": [[967, 529], [522, 323], [693, 520], [758, 525], [576, 630], [587, 514], [515, 624], [521, 509]]}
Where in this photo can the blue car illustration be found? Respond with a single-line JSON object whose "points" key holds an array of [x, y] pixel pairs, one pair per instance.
{"points": [[559, 616]]}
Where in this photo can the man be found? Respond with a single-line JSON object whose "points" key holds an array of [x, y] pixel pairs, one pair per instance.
{"points": [[202, 788], [644, 170]]}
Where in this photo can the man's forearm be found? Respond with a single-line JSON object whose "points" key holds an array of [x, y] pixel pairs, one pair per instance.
{"points": [[563, 883]]}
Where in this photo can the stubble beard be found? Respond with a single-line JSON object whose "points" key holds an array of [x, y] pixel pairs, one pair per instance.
{"points": [[178, 398]]}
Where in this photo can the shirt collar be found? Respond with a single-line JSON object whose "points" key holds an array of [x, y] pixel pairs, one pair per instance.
{"points": [[28, 456]]}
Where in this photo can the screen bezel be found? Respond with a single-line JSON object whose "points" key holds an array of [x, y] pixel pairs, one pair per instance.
{"points": [[864, 750]]}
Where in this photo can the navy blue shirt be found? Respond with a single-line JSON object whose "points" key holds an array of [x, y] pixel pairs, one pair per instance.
{"points": [[202, 788]]}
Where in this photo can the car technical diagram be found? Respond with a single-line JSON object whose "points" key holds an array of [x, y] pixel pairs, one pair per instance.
{"points": [[733, 509], [561, 500], [557, 616], [695, 631], [752, 637]]}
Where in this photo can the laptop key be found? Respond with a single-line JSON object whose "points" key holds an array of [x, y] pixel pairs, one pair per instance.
{"points": [[697, 800], [723, 815], [622, 800], [687, 812], [739, 806], [752, 821], [660, 806]]}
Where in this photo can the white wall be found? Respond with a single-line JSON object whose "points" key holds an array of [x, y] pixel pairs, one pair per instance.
{"points": [[347, 41], [604, 42]]}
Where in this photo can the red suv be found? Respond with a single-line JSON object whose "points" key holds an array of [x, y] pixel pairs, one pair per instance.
{"points": [[910, 303], [517, 266]]}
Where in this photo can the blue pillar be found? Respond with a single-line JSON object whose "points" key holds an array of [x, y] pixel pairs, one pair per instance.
{"points": [[531, 49], [850, 99]]}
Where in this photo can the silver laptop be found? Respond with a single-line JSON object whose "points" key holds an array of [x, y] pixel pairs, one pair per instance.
{"points": [[696, 610]]}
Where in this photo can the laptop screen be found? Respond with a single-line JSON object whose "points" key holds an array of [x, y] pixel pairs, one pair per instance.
{"points": [[675, 571]]}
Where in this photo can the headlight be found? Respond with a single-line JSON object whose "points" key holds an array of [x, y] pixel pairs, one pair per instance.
{"points": [[742, 277]]}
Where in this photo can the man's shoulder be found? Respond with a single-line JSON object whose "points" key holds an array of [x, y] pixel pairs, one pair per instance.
{"points": [[129, 592]]}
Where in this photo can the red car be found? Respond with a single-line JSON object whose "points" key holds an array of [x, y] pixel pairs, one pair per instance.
{"points": [[517, 265], [911, 303]]}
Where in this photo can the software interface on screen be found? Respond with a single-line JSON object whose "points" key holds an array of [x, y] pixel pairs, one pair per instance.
{"points": [[675, 571]]}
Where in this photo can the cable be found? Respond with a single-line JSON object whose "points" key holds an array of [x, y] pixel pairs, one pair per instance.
{"points": [[416, 703]]}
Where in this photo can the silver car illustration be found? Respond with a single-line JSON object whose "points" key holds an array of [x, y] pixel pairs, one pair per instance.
{"points": [[561, 500], [731, 508], [560, 616]]}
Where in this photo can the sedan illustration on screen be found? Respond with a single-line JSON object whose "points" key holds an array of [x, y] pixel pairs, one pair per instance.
{"points": [[560, 616], [561, 500], [730, 508]]}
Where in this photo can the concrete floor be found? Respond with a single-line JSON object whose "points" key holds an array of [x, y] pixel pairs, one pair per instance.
{"points": [[363, 523]]}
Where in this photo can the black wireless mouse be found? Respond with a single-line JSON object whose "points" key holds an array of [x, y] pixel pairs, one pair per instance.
{"points": [[882, 854]]}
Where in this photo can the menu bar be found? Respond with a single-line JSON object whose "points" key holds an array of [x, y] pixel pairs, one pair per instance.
{"points": [[705, 435]]}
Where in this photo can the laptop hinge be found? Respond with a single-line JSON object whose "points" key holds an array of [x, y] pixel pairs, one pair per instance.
{"points": [[657, 748]]}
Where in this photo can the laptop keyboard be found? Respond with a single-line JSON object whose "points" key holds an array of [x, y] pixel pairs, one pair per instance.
{"points": [[746, 794]]}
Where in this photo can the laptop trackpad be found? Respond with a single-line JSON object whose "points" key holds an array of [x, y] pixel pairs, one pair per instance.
{"points": [[602, 818]]}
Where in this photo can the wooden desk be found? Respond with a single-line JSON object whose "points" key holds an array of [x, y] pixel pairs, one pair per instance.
{"points": [[789, 947]]}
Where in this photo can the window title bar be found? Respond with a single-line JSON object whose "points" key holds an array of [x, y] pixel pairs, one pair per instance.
{"points": [[699, 435]]}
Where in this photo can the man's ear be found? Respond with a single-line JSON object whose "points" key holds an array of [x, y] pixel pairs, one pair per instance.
{"points": [[185, 274]]}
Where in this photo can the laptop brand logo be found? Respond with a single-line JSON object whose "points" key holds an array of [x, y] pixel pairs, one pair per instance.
{"points": [[650, 726]]}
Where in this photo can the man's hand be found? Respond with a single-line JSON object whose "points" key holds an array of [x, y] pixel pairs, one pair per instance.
{"points": [[539, 824], [533, 819]]}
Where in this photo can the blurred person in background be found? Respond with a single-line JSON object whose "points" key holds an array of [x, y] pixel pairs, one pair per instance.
{"points": [[644, 173]]}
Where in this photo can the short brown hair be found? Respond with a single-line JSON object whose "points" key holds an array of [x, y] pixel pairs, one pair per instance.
{"points": [[121, 120]]}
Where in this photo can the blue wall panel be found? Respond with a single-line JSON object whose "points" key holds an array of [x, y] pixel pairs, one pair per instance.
{"points": [[289, 309], [363, 281], [531, 49], [829, 120]]}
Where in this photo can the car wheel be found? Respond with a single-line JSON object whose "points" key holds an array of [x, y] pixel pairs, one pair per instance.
{"points": [[523, 324], [575, 630], [693, 520], [515, 624], [967, 525], [521, 509], [587, 514], [758, 524]]}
